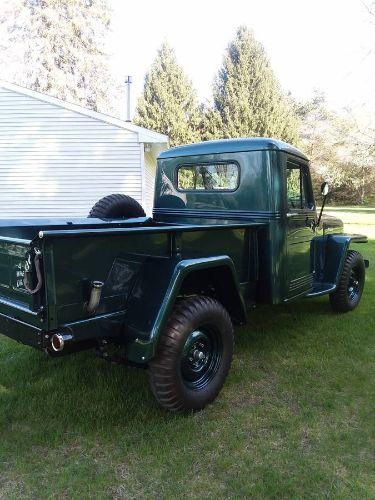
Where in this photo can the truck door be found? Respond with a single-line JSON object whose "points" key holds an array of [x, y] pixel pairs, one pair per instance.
{"points": [[300, 219]]}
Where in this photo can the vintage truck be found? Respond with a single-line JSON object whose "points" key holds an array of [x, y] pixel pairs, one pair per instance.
{"points": [[234, 224]]}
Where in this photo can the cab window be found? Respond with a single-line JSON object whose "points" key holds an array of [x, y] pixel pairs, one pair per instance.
{"points": [[297, 187], [208, 177]]}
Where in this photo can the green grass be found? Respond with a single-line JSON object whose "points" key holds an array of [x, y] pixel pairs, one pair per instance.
{"points": [[295, 418], [359, 220], [364, 210]]}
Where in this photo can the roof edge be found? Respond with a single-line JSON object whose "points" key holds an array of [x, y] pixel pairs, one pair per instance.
{"points": [[144, 134], [242, 144]]}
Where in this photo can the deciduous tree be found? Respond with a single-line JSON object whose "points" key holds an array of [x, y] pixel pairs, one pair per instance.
{"points": [[340, 152]]}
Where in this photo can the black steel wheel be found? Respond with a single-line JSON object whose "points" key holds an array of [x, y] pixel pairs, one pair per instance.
{"points": [[194, 355], [117, 206], [349, 290], [202, 354]]}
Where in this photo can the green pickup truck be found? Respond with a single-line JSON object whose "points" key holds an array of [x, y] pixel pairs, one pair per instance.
{"points": [[234, 225]]}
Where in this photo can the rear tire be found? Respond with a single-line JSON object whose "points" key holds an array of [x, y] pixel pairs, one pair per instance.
{"points": [[117, 206], [349, 290], [193, 356]]}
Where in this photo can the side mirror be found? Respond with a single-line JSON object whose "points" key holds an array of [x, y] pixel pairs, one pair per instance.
{"points": [[324, 189]]}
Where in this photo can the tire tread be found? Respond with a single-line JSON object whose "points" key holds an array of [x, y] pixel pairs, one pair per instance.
{"points": [[116, 203], [339, 298], [162, 379]]}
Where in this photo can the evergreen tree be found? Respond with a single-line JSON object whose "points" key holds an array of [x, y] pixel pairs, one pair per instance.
{"points": [[57, 47], [247, 94], [168, 103], [211, 124]]}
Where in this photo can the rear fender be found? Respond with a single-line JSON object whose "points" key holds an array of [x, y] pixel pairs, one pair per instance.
{"points": [[160, 283]]}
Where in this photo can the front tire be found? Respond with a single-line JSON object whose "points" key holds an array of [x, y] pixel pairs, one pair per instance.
{"points": [[349, 290], [194, 355]]}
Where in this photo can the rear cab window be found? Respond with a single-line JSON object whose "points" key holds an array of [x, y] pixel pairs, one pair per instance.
{"points": [[208, 177]]}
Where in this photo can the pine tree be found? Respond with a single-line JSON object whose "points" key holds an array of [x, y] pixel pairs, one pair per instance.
{"points": [[211, 125], [168, 103], [247, 94], [57, 47]]}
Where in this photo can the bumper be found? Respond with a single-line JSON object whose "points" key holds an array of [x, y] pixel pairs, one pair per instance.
{"points": [[84, 334], [20, 331]]}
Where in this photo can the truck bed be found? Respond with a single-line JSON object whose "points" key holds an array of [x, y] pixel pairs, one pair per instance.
{"points": [[76, 252]]}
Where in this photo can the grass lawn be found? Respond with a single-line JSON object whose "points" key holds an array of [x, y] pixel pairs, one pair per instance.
{"points": [[356, 219], [295, 418]]}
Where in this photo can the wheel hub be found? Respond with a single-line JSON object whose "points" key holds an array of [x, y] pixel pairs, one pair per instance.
{"points": [[197, 350], [199, 358], [353, 285], [199, 355]]}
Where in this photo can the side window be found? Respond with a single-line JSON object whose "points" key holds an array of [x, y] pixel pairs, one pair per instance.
{"points": [[214, 177], [297, 187]]}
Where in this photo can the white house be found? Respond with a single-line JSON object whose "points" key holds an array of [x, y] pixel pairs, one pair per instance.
{"points": [[59, 159]]}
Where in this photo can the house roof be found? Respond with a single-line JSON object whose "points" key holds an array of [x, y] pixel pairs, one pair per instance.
{"points": [[231, 146], [144, 134]]}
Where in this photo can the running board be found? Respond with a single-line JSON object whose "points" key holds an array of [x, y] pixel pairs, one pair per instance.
{"points": [[321, 289]]}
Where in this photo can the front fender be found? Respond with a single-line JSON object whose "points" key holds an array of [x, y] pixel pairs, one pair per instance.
{"points": [[154, 296], [330, 253]]}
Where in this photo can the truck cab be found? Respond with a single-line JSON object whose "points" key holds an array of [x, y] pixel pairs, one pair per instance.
{"points": [[260, 181]]}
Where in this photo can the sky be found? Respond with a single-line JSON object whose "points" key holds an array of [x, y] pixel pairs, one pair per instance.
{"points": [[327, 45]]}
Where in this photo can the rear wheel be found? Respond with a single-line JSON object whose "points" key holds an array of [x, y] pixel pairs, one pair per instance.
{"points": [[117, 206], [194, 355], [349, 290]]}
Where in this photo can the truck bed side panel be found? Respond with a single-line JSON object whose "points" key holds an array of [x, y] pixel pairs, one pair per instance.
{"points": [[75, 262]]}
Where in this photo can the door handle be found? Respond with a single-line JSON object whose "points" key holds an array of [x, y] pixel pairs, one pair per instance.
{"points": [[310, 223]]}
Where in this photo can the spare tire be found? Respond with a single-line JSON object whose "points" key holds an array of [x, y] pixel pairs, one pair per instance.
{"points": [[117, 206]]}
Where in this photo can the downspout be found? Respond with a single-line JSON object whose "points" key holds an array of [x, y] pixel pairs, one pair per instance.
{"points": [[143, 177]]}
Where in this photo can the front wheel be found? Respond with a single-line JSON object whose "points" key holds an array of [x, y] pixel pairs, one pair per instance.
{"points": [[349, 289], [193, 356]]}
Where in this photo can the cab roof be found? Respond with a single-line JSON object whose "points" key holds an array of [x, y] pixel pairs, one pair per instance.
{"points": [[231, 146]]}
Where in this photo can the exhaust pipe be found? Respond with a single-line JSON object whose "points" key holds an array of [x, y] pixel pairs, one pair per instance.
{"points": [[58, 341], [95, 295]]}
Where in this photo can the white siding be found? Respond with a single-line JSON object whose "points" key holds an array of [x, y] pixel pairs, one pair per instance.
{"points": [[57, 162]]}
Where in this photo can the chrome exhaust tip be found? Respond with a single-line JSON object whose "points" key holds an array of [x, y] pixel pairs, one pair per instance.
{"points": [[59, 340]]}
